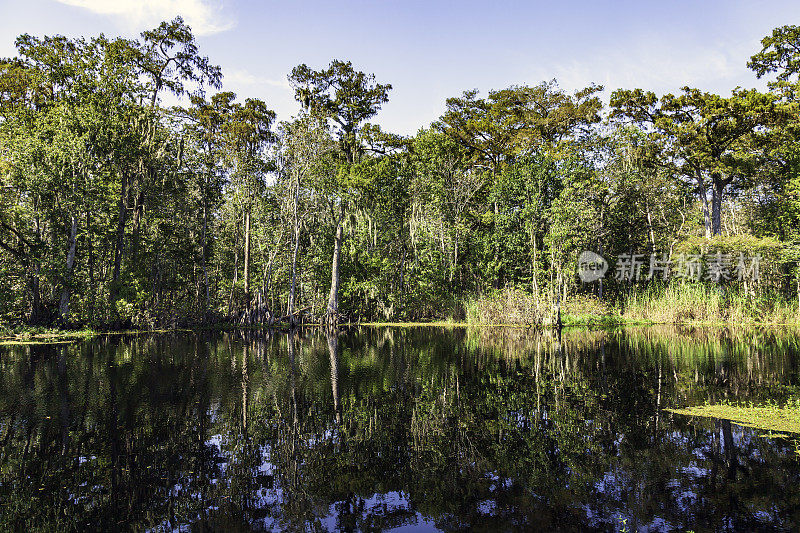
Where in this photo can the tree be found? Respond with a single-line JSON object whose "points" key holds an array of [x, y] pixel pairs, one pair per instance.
{"points": [[711, 140], [249, 134], [205, 122], [307, 150], [516, 122], [780, 55], [346, 97]]}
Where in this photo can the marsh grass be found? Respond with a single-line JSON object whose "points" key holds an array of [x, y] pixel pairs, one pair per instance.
{"points": [[508, 306], [687, 303], [676, 303]]}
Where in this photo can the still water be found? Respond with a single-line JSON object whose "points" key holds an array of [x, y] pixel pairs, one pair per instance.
{"points": [[411, 429]]}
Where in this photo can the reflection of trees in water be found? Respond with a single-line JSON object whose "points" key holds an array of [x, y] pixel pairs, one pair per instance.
{"points": [[467, 427]]}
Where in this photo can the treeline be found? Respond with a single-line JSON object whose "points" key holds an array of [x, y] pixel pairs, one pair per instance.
{"points": [[116, 210]]}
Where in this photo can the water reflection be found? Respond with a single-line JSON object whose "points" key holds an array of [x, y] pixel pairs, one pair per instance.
{"points": [[383, 428]]}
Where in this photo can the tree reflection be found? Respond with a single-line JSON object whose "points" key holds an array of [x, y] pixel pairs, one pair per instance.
{"points": [[377, 428]]}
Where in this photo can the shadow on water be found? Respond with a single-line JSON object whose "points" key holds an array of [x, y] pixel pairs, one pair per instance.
{"points": [[379, 428]]}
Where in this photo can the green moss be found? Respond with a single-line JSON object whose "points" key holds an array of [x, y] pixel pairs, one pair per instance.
{"points": [[772, 418]]}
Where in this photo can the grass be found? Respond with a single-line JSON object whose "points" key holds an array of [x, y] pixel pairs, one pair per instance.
{"points": [[509, 306], [692, 304], [772, 418], [699, 303]]}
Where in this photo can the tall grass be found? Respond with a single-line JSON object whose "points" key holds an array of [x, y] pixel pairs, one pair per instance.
{"points": [[680, 303], [508, 306], [677, 303]]}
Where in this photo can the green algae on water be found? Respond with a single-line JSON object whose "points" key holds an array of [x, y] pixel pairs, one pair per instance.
{"points": [[772, 417]]}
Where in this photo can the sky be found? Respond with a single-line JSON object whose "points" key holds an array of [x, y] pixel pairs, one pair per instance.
{"points": [[431, 50]]}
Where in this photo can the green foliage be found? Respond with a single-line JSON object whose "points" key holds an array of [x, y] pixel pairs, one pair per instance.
{"points": [[116, 211]]}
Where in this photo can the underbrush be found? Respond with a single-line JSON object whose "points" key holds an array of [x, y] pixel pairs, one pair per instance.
{"points": [[509, 306]]}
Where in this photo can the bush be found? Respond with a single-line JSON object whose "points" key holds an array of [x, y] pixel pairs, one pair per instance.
{"points": [[508, 306]]}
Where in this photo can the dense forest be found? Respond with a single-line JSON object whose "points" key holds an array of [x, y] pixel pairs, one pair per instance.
{"points": [[119, 211]]}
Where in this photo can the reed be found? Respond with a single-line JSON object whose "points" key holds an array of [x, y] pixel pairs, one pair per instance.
{"points": [[682, 303]]}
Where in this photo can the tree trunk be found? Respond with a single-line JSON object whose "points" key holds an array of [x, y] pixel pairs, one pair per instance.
{"points": [[90, 263], [718, 185], [332, 313], [498, 282], [247, 259], [63, 307], [205, 252], [37, 312], [122, 211], [600, 284], [534, 266], [296, 232], [138, 207], [701, 190], [455, 254], [235, 275]]}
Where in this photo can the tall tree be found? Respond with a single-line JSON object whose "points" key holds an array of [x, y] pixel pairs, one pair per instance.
{"points": [[346, 97], [712, 140]]}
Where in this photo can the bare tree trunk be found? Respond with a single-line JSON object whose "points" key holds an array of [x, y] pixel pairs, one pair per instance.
{"points": [[36, 300], [122, 211], [701, 190], [268, 290], [247, 259], [296, 232], [499, 280], [63, 308], [90, 263], [235, 275], [455, 254], [138, 206], [205, 252], [716, 204], [534, 266], [332, 313]]}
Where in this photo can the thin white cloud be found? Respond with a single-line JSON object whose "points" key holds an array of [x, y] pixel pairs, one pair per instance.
{"points": [[658, 65], [204, 16], [243, 77]]}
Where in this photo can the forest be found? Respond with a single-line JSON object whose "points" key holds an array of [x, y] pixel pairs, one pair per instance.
{"points": [[118, 211]]}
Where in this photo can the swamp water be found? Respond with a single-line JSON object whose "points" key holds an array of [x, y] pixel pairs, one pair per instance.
{"points": [[412, 429]]}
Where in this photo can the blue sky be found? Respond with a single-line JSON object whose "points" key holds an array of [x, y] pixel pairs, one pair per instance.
{"points": [[431, 50]]}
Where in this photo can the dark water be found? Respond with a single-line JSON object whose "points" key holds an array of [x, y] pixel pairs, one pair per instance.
{"points": [[414, 429]]}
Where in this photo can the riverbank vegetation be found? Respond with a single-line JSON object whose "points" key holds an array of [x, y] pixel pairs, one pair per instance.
{"points": [[118, 211]]}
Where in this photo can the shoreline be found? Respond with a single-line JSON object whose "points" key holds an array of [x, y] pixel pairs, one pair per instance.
{"points": [[52, 336]]}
